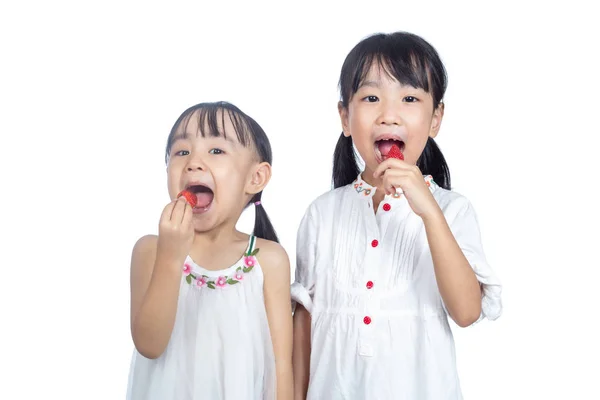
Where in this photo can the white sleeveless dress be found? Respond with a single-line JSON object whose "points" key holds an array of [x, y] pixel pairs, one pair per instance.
{"points": [[220, 347]]}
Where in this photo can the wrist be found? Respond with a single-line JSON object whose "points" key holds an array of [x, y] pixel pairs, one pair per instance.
{"points": [[434, 218], [168, 262]]}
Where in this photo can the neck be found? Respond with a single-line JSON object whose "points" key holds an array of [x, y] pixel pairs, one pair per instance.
{"points": [[367, 176], [218, 236]]}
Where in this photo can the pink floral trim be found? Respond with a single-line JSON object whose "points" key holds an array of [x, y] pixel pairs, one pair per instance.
{"points": [[201, 281], [222, 281], [239, 275], [250, 261]]}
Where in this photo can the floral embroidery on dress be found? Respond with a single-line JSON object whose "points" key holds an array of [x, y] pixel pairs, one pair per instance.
{"points": [[200, 281], [360, 189], [430, 183], [366, 189]]}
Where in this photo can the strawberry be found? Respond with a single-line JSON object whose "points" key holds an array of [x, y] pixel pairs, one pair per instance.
{"points": [[189, 196], [395, 153]]}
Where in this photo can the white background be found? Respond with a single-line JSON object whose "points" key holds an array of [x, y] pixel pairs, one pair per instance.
{"points": [[89, 91]]}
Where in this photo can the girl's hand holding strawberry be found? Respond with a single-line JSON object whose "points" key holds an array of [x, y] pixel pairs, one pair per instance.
{"points": [[397, 174], [175, 232]]}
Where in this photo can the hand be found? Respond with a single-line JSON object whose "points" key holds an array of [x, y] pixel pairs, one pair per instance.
{"points": [[175, 232], [399, 174]]}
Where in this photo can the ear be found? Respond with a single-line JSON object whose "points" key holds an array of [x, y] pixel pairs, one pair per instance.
{"points": [[436, 121], [260, 175], [343, 111]]}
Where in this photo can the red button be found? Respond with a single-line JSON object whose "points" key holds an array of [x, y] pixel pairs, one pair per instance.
{"points": [[369, 285], [367, 320], [387, 207], [374, 243]]}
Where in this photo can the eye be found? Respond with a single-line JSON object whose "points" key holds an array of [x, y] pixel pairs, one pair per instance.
{"points": [[216, 151], [371, 99], [182, 153], [410, 99]]}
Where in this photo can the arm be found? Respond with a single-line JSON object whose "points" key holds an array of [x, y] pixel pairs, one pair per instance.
{"points": [[154, 292], [301, 352], [302, 291], [155, 278], [456, 280], [276, 268]]}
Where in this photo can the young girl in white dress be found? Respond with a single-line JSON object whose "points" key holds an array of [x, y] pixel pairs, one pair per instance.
{"points": [[210, 311], [386, 256]]}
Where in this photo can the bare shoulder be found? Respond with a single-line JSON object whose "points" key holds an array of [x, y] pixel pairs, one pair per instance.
{"points": [[144, 251], [273, 257], [145, 244]]}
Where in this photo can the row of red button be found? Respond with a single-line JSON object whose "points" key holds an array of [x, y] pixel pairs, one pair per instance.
{"points": [[374, 243], [367, 319]]}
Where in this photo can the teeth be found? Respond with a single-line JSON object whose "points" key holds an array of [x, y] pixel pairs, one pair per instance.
{"points": [[377, 152]]}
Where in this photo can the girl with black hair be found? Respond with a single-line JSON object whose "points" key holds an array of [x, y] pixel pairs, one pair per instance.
{"points": [[391, 252], [202, 331]]}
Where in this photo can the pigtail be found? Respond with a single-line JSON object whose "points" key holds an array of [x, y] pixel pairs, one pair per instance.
{"points": [[345, 168], [432, 162], [262, 224]]}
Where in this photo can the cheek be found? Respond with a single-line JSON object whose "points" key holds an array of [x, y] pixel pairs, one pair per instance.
{"points": [[360, 127], [230, 179], [173, 178], [419, 125]]}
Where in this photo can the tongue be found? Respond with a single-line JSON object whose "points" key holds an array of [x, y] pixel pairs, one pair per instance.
{"points": [[385, 146], [204, 199]]}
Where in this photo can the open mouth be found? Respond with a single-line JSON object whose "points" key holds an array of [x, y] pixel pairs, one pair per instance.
{"points": [[204, 196], [383, 146]]}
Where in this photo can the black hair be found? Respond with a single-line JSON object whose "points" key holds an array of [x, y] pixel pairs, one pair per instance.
{"points": [[249, 133], [410, 60]]}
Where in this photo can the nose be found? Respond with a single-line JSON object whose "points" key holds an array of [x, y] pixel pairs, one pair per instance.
{"points": [[389, 113], [195, 164]]}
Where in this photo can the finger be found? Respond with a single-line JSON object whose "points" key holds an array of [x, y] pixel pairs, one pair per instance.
{"points": [[394, 179], [178, 210], [167, 211], [188, 213], [390, 184], [390, 163]]}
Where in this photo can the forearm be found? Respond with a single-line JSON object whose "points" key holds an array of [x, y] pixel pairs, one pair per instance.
{"points": [[301, 352], [154, 321], [455, 278], [284, 382]]}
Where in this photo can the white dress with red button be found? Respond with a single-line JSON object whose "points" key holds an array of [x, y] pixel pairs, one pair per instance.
{"points": [[380, 330], [220, 347]]}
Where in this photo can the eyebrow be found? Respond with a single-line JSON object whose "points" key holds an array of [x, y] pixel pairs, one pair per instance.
{"points": [[374, 84], [186, 135], [180, 136], [377, 85]]}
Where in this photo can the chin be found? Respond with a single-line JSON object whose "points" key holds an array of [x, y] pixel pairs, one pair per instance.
{"points": [[371, 165], [204, 225]]}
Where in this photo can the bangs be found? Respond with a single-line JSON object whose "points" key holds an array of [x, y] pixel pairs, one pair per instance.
{"points": [[404, 57], [210, 121], [412, 73]]}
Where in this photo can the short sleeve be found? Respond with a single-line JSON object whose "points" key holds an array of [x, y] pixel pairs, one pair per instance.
{"points": [[465, 228], [303, 288]]}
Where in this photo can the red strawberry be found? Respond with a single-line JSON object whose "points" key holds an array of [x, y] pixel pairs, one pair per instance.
{"points": [[395, 153], [189, 196]]}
